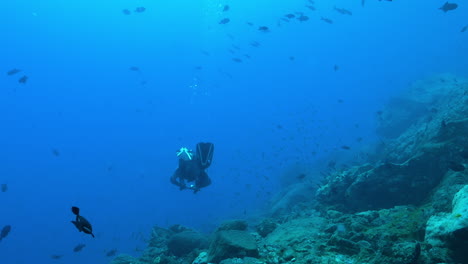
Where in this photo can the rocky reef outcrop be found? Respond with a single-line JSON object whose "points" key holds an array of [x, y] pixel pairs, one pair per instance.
{"points": [[408, 203], [413, 163]]}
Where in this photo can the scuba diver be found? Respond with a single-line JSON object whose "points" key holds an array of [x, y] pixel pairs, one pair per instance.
{"points": [[192, 167]]}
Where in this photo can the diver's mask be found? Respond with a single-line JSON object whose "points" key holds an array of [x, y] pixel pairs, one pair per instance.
{"points": [[185, 154]]}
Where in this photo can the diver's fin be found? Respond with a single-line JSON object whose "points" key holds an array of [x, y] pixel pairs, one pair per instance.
{"points": [[76, 210], [205, 154]]}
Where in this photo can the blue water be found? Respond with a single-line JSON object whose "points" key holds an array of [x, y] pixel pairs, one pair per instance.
{"points": [[116, 131]]}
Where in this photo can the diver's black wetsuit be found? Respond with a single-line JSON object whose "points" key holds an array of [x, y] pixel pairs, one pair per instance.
{"points": [[190, 170]]}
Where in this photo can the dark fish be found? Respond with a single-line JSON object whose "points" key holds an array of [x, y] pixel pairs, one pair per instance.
{"points": [[111, 253], [283, 19], [250, 23], [311, 7], [247, 56], [140, 9], [363, 2], [359, 139], [79, 247], [198, 68], [456, 166], [345, 147], [448, 7], [81, 223], [5, 231], [290, 16], [56, 256], [55, 152], [226, 8], [224, 21], [340, 101], [327, 20], [343, 11], [255, 44], [23, 79], [301, 176], [237, 60], [464, 29], [264, 29], [126, 12], [13, 72], [204, 52], [303, 18], [134, 68], [292, 58], [311, 1], [336, 67], [4, 187]]}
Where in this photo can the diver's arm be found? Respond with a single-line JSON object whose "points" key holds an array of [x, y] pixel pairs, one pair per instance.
{"points": [[177, 180]]}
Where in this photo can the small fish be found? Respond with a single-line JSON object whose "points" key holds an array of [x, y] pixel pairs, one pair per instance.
{"points": [[292, 58], [249, 23], [301, 176], [23, 79], [237, 60], [226, 8], [134, 68], [126, 12], [343, 11], [303, 18], [13, 72], [5, 231], [56, 256], [81, 223], [327, 20], [264, 29], [55, 152], [198, 68], [363, 3], [255, 44], [204, 52], [79, 247], [224, 21], [448, 7], [111, 253], [345, 147], [4, 187], [336, 67], [464, 29], [456, 166], [340, 101], [290, 16], [311, 7], [140, 9]]}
